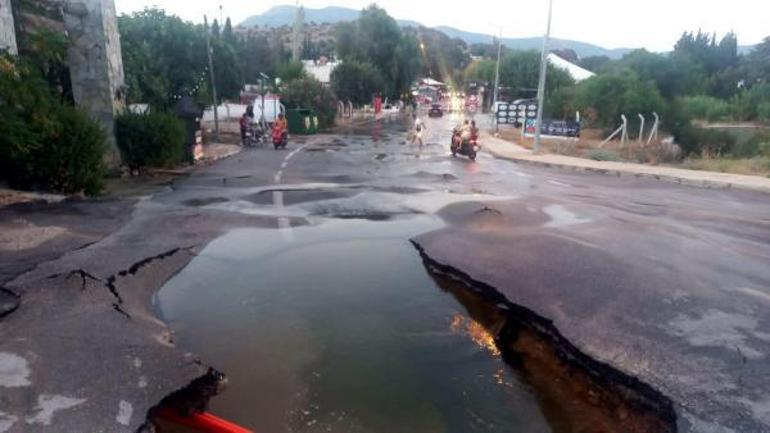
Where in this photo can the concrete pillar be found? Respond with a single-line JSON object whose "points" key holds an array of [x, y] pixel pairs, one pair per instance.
{"points": [[7, 28], [96, 64]]}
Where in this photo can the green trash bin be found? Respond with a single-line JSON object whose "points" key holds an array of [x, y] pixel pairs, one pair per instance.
{"points": [[301, 121]]}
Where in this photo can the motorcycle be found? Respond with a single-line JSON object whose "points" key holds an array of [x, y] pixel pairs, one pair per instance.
{"points": [[280, 138], [467, 147], [254, 137]]}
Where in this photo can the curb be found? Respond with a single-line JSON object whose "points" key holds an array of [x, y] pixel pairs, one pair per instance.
{"points": [[205, 161], [702, 183]]}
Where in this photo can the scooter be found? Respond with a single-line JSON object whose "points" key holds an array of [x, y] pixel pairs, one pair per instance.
{"points": [[280, 138], [468, 147]]}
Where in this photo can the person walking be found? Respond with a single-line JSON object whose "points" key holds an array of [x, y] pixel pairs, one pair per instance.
{"points": [[419, 128]]}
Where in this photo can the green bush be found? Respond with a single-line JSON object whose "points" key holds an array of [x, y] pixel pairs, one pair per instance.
{"points": [[291, 71], [602, 155], [43, 142], [758, 145], [752, 104], [706, 142], [609, 95], [311, 93], [704, 107], [357, 82], [150, 140], [71, 158], [764, 148]]}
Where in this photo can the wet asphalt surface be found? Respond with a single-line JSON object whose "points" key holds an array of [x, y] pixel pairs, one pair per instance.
{"points": [[702, 253]]}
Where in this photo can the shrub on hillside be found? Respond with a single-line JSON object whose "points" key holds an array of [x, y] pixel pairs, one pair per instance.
{"points": [[150, 140]]}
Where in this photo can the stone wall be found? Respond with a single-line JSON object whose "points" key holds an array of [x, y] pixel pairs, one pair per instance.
{"points": [[7, 28], [95, 62]]}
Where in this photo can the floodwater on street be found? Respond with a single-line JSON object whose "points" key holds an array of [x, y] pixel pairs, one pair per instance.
{"points": [[339, 327]]}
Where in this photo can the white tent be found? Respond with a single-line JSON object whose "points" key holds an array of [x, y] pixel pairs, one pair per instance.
{"points": [[578, 73], [431, 82]]}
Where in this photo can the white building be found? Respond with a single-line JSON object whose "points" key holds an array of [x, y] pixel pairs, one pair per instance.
{"points": [[577, 73], [321, 70]]}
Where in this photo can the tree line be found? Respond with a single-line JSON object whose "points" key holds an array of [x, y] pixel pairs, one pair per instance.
{"points": [[703, 78], [164, 58]]}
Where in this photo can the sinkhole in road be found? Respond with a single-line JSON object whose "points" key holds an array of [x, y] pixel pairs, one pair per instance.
{"points": [[339, 327], [346, 327]]}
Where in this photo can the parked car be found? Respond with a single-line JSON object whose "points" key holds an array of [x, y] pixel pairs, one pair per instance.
{"points": [[435, 111]]}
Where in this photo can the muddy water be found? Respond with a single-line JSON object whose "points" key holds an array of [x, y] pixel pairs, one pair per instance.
{"points": [[338, 327]]}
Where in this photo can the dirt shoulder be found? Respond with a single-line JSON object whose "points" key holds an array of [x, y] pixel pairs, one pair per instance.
{"points": [[709, 179]]}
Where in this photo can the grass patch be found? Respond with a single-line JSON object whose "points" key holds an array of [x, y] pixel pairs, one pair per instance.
{"points": [[757, 166]]}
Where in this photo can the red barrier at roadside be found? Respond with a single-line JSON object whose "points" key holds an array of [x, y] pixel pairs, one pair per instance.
{"points": [[169, 421]]}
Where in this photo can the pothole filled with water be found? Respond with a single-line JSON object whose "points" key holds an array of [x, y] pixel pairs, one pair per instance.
{"points": [[339, 327]]}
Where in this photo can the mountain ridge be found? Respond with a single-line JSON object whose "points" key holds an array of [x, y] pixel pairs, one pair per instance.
{"points": [[282, 15]]}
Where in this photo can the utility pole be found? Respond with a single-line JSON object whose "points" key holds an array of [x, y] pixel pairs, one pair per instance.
{"points": [[541, 83], [211, 75], [299, 22], [495, 93], [263, 120]]}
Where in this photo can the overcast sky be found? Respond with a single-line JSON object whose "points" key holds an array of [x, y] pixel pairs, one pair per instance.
{"points": [[654, 24]]}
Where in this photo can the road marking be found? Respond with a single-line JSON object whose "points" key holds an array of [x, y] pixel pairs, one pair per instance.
{"points": [[125, 412], [285, 162], [14, 371], [7, 421], [48, 404], [556, 182], [284, 224]]}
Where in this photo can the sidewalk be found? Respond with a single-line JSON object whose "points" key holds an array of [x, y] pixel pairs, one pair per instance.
{"points": [[707, 179], [216, 151]]}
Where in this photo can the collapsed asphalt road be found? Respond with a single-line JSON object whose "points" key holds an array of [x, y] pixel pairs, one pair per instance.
{"points": [[663, 283]]}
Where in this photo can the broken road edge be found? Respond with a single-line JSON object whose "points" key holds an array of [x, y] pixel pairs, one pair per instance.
{"points": [[587, 392]]}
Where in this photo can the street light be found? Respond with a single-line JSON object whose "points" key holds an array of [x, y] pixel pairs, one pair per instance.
{"points": [[541, 82]]}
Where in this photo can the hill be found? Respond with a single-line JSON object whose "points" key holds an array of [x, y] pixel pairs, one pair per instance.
{"points": [[278, 16]]}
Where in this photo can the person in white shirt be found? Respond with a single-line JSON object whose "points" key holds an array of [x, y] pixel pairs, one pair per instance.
{"points": [[419, 127]]}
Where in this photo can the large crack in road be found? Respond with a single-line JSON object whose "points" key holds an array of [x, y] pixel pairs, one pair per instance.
{"points": [[589, 395]]}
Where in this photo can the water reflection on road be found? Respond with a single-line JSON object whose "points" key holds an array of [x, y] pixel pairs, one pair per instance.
{"points": [[340, 328]]}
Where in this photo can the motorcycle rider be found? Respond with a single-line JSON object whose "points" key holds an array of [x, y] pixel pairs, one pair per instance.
{"points": [[247, 120], [465, 132], [281, 125]]}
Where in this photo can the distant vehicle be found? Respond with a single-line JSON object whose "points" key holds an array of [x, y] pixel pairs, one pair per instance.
{"points": [[435, 111]]}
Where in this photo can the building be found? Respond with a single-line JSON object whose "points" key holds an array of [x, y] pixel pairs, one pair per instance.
{"points": [[320, 69], [577, 73]]}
